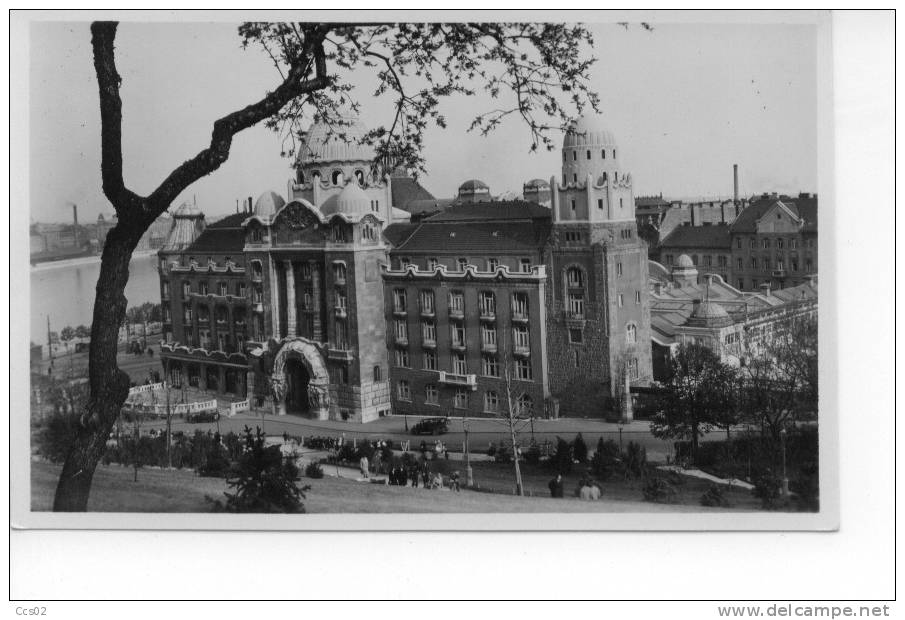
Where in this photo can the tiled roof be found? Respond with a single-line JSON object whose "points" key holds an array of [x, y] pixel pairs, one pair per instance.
{"points": [[397, 233], [470, 237], [715, 237], [804, 206], [230, 221], [497, 210], [428, 206], [405, 189], [224, 235], [650, 201]]}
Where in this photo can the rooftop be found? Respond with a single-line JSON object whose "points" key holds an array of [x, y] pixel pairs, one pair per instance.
{"points": [[713, 237]]}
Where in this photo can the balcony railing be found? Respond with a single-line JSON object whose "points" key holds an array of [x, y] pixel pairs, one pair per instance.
{"points": [[488, 347], [519, 316], [399, 311], [402, 341], [427, 312], [340, 353], [429, 343], [339, 310], [523, 350], [456, 313], [450, 378], [488, 314], [457, 345], [779, 273]]}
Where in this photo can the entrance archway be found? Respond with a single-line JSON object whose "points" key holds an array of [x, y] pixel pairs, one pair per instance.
{"points": [[297, 380], [298, 374]]}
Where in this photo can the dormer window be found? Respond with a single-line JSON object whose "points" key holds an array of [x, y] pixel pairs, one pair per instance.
{"points": [[336, 177], [360, 177]]}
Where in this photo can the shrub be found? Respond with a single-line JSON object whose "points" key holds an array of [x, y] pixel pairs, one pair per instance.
{"points": [[579, 449], [767, 487], [56, 436], [262, 480], [658, 489], [491, 449], [502, 455], [807, 489], [532, 454], [561, 461], [606, 460], [715, 496], [314, 470], [634, 459]]}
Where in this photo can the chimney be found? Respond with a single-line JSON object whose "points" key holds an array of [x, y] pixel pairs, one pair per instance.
{"points": [[765, 289], [250, 205], [735, 183], [75, 215]]}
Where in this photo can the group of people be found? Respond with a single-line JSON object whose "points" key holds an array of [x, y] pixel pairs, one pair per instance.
{"points": [[414, 477], [587, 490], [438, 448]]}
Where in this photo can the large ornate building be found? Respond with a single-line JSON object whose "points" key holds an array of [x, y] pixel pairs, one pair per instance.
{"points": [[333, 305]]}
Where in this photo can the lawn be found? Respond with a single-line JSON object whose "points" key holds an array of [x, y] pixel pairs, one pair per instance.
{"points": [[180, 491]]}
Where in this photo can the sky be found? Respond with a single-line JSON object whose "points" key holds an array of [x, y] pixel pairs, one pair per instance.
{"points": [[685, 102]]}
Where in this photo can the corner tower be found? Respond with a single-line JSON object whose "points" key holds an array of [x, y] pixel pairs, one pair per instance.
{"points": [[599, 327]]}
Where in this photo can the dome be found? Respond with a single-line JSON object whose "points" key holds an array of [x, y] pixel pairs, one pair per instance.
{"points": [[588, 131], [708, 314], [537, 183], [268, 203], [352, 201], [339, 143], [473, 185], [187, 209], [684, 262]]}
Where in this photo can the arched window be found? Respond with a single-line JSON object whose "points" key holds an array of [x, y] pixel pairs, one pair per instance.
{"points": [[377, 374], [360, 177], [575, 277], [631, 333], [339, 273], [299, 176], [603, 153], [336, 177], [491, 401], [257, 270], [604, 177]]}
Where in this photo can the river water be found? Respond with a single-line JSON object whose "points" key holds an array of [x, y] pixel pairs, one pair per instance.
{"points": [[64, 290]]}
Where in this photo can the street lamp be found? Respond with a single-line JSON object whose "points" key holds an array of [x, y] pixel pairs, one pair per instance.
{"points": [[785, 478]]}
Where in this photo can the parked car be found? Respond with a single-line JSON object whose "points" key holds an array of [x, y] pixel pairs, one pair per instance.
{"points": [[431, 426], [202, 416]]}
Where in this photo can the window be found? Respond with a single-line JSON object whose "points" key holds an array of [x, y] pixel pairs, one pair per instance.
{"points": [[753, 262], [738, 263], [401, 358], [399, 300], [202, 288], [631, 333], [340, 301], [525, 265], [752, 243], [377, 374], [427, 302], [432, 263], [431, 396], [241, 290], [574, 277], [614, 153], [794, 264], [459, 365], [633, 368], [793, 243], [401, 330], [576, 305], [457, 302], [523, 369], [708, 261], [492, 264], [620, 203], [186, 289], [600, 200], [458, 334], [519, 305], [524, 406], [808, 265], [723, 261], [753, 283], [488, 303], [766, 263], [339, 273], [618, 269], [574, 155], [637, 297], [741, 283], [222, 315], [521, 337], [491, 402], [428, 331], [765, 243], [257, 294], [429, 360], [603, 153], [221, 289], [589, 154], [669, 259], [339, 327], [339, 233], [779, 243], [336, 177], [403, 391], [576, 336], [490, 367], [619, 300], [461, 399], [780, 264], [462, 263], [738, 243], [572, 202], [694, 260], [604, 177], [488, 334]]}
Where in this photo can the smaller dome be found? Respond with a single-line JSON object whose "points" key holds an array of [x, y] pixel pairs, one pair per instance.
{"points": [[352, 201], [537, 183], [684, 262], [710, 310], [473, 185], [268, 203]]}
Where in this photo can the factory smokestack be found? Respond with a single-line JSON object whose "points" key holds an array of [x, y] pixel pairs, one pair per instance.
{"points": [[735, 183], [75, 215]]}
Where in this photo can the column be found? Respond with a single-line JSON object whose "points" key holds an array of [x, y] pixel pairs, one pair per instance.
{"points": [[318, 333], [275, 300], [290, 298]]}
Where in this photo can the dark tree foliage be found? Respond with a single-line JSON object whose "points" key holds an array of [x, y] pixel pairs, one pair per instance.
{"points": [[579, 449], [700, 392], [263, 480], [537, 72]]}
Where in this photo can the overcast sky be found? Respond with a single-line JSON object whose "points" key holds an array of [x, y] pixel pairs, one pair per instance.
{"points": [[684, 101]]}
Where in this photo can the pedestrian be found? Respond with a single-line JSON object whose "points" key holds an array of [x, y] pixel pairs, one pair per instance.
{"points": [[426, 477], [454, 481], [413, 476], [363, 466], [556, 486]]}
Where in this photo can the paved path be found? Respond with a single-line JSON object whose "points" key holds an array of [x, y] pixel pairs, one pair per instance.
{"points": [[697, 473]]}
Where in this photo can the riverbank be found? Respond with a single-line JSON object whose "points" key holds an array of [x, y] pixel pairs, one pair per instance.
{"points": [[82, 260]]}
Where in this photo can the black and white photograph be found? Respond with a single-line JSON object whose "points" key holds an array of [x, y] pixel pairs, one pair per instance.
{"points": [[325, 268]]}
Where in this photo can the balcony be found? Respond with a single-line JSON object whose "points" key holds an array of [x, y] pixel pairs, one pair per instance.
{"points": [[257, 307], [457, 345], [488, 314], [340, 311], [779, 273], [429, 343], [400, 312], [522, 350], [428, 313], [488, 347], [456, 313], [402, 341], [340, 353], [449, 378]]}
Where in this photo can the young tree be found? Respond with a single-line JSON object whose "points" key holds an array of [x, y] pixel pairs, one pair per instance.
{"points": [[538, 72], [697, 393], [82, 331], [67, 334]]}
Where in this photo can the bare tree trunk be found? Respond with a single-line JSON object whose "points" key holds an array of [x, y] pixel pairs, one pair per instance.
{"points": [[519, 490]]}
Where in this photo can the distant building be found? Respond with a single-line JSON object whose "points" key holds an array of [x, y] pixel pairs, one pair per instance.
{"points": [[537, 191], [708, 247]]}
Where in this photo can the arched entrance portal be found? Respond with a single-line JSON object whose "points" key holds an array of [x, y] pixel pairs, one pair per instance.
{"points": [[299, 381]]}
